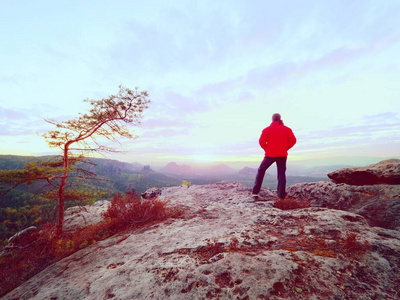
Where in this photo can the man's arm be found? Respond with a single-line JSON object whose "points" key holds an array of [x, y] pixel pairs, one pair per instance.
{"points": [[291, 139], [263, 139]]}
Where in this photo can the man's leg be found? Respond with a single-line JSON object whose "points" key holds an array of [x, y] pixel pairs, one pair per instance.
{"points": [[265, 164], [281, 166]]}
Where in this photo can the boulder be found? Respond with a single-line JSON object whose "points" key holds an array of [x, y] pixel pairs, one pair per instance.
{"points": [[379, 204], [384, 172], [152, 193], [79, 217], [24, 237], [226, 246]]}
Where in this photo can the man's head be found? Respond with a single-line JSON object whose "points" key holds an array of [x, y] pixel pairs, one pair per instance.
{"points": [[276, 117]]}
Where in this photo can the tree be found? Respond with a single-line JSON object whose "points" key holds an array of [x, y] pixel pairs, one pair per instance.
{"points": [[107, 119], [29, 205], [27, 194]]}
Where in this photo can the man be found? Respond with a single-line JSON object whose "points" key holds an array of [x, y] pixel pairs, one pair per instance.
{"points": [[276, 140]]}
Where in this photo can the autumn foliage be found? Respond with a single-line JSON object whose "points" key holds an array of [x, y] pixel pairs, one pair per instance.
{"points": [[129, 211], [125, 212], [290, 203]]}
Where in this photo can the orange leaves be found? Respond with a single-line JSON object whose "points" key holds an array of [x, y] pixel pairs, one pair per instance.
{"points": [[324, 252]]}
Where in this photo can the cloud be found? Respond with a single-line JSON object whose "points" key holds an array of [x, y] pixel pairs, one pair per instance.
{"points": [[9, 115], [181, 106], [15, 122], [383, 117], [171, 115], [215, 70], [7, 79], [162, 133], [378, 133], [23, 121], [264, 80], [180, 40]]}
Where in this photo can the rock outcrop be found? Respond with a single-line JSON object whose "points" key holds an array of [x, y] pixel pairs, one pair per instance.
{"points": [[384, 172], [226, 246], [23, 237], [78, 217], [379, 204]]}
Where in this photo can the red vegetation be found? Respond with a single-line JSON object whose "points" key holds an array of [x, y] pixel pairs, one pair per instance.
{"points": [[18, 265], [125, 212], [129, 211], [290, 203], [349, 246], [352, 246]]}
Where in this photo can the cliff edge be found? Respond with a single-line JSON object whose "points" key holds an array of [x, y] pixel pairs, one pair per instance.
{"points": [[226, 246]]}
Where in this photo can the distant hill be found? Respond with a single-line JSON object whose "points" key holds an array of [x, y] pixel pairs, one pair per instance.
{"points": [[213, 173], [246, 171], [24, 206], [197, 171], [174, 168], [112, 176], [116, 176], [14, 162]]}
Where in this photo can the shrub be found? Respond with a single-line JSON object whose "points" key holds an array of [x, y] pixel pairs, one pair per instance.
{"points": [[290, 203], [129, 211], [19, 264], [126, 211]]}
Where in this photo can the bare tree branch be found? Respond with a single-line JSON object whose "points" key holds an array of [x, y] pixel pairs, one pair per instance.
{"points": [[108, 118]]}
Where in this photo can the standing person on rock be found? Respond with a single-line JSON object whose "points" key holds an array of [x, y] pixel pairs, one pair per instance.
{"points": [[276, 140]]}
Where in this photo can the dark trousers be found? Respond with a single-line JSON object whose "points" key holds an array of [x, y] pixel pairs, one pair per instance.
{"points": [[281, 166]]}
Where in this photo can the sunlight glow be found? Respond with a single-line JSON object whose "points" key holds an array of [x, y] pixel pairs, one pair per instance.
{"points": [[214, 82]]}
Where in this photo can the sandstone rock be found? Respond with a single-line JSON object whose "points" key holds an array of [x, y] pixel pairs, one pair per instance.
{"points": [[152, 193], [227, 246], [78, 217], [379, 204], [384, 172]]}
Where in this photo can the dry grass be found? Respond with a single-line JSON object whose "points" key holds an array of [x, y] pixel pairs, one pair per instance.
{"points": [[290, 203]]}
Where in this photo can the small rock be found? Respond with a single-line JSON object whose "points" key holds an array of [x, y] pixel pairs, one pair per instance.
{"points": [[152, 193]]}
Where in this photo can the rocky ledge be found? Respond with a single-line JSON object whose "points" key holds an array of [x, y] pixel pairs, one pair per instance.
{"points": [[384, 172], [226, 246], [379, 203]]}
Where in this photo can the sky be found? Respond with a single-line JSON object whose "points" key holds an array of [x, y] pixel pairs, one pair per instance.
{"points": [[215, 71]]}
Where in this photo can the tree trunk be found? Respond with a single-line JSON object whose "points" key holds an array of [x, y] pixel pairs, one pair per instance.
{"points": [[60, 194]]}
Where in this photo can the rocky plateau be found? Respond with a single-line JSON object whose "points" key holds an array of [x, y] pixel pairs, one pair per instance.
{"points": [[346, 245]]}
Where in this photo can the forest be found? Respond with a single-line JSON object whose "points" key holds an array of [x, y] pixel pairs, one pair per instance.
{"points": [[25, 205]]}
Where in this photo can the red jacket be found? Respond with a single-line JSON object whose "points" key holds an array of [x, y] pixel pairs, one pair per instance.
{"points": [[277, 139]]}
